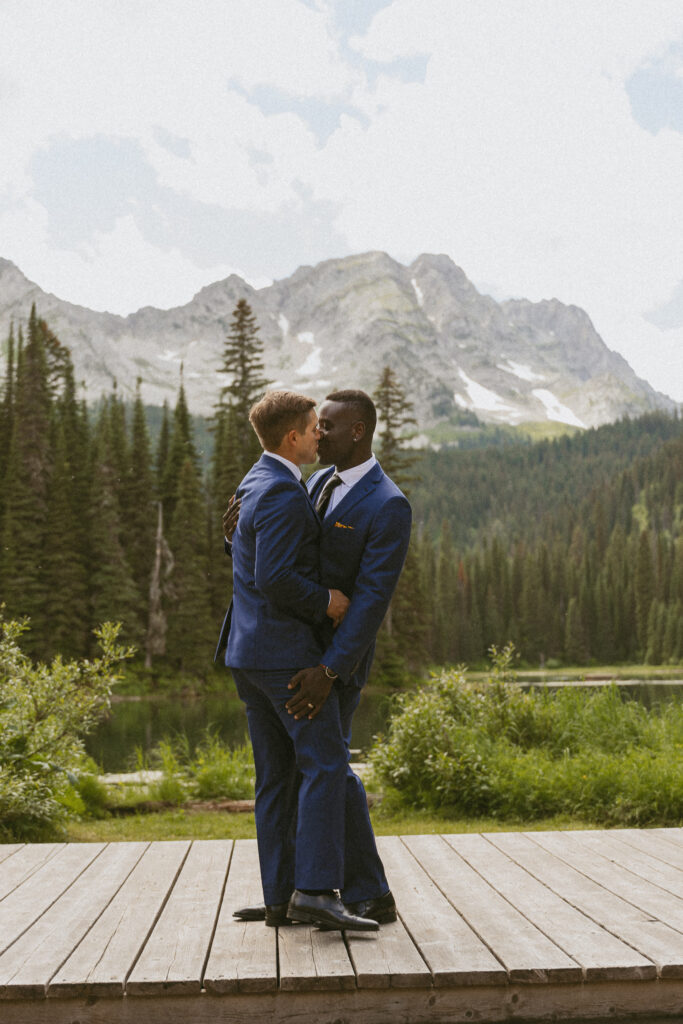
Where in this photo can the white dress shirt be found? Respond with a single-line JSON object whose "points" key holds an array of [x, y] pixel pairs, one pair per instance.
{"points": [[349, 477], [285, 462]]}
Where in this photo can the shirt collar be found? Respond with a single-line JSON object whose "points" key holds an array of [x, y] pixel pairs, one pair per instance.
{"points": [[292, 466], [355, 473]]}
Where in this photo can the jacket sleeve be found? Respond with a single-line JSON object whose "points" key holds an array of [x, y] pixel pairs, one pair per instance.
{"points": [[282, 529], [381, 563]]}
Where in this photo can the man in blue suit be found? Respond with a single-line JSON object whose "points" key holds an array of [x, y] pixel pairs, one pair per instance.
{"points": [[365, 529], [278, 601]]}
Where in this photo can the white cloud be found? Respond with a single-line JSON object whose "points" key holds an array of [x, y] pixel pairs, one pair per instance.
{"points": [[110, 274], [518, 155]]}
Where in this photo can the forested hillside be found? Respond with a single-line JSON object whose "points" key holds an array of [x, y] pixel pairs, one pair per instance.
{"points": [[570, 548]]}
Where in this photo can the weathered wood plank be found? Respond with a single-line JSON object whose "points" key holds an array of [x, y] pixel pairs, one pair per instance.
{"points": [[29, 901], [601, 955], [452, 951], [9, 849], [15, 871], [243, 955], [173, 958], [388, 958], [655, 940], [632, 859], [643, 1001], [525, 952], [651, 841], [633, 889], [313, 960], [27, 966], [675, 835], [100, 964]]}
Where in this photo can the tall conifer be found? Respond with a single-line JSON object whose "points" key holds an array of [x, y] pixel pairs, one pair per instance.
{"points": [[191, 627], [243, 364]]}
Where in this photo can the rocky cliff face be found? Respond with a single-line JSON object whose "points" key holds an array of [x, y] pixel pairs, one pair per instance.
{"points": [[338, 323]]}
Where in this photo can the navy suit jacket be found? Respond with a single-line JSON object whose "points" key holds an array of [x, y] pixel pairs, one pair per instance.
{"points": [[277, 595], [363, 545]]}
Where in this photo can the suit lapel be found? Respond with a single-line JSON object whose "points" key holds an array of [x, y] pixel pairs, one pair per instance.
{"points": [[366, 484], [275, 468]]}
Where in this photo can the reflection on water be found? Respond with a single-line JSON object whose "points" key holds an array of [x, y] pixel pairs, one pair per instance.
{"points": [[140, 724]]}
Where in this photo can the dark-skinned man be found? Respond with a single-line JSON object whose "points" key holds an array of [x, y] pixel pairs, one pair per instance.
{"points": [[365, 530], [269, 631]]}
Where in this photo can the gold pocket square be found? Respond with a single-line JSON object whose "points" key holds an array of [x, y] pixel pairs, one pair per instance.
{"points": [[343, 526]]}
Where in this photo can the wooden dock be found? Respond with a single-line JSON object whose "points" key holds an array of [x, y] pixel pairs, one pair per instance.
{"points": [[502, 926]]}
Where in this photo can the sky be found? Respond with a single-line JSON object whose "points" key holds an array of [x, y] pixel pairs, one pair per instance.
{"points": [[150, 148]]}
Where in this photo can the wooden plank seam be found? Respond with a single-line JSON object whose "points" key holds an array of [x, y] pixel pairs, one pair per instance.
{"points": [[156, 918], [36, 867], [457, 909], [215, 921], [613, 864], [102, 910], [610, 930], [519, 910], [59, 895]]}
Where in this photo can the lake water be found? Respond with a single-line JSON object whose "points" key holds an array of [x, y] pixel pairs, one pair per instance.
{"points": [[141, 723]]}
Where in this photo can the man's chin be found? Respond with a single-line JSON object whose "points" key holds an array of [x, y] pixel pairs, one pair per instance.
{"points": [[324, 459]]}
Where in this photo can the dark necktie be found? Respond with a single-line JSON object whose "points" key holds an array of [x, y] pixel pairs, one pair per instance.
{"points": [[324, 496]]}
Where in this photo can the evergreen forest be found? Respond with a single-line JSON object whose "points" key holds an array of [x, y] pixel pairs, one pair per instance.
{"points": [[572, 548]]}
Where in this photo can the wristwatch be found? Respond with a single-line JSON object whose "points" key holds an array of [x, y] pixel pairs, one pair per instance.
{"points": [[329, 673]]}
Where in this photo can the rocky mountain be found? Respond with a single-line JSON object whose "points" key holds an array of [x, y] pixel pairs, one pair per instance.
{"points": [[337, 324]]}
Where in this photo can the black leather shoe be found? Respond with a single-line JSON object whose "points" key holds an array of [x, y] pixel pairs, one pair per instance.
{"points": [[381, 909], [326, 912], [275, 915]]}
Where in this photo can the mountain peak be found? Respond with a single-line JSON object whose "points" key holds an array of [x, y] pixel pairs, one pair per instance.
{"points": [[338, 323]]}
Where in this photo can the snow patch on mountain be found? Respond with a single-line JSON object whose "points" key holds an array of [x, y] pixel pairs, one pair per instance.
{"points": [[418, 292], [555, 409], [312, 364], [521, 370], [483, 398]]}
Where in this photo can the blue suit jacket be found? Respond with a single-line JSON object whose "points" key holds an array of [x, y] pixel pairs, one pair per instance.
{"points": [[277, 596], [363, 545]]}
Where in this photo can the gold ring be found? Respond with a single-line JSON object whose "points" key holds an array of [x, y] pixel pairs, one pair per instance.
{"points": [[311, 705]]}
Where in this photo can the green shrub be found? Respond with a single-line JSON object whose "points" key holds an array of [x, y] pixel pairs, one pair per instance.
{"points": [[490, 748], [213, 771], [219, 771], [44, 712]]}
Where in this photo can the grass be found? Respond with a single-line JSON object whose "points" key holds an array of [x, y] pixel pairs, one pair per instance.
{"points": [[184, 824]]}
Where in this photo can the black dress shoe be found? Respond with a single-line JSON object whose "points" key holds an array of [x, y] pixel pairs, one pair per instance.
{"points": [[326, 912], [381, 909], [275, 914]]}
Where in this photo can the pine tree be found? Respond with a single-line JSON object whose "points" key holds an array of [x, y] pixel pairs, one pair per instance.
{"points": [[574, 643], [243, 364], [446, 613], [163, 445], [25, 528], [7, 409], [223, 480], [114, 596], [157, 625], [644, 588], [141, 514], [190, 623], [181, 447], [395, 414], [66, 577]]}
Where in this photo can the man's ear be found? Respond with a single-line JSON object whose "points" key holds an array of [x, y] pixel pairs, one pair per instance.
{"points": [[358, 430]]}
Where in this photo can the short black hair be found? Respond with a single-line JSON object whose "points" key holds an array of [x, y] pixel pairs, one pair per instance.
{"points": [[361, 402]]}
